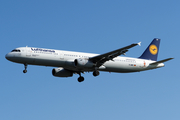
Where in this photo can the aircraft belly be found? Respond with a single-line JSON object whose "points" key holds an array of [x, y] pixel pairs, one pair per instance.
{"points": [[49, 62], [43, 61], [120, 67]]}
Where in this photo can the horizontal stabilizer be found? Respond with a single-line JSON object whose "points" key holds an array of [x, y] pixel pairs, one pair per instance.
{"points": [[161, 61]]}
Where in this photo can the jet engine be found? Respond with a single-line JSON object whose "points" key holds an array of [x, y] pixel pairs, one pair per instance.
{"points": [[61, 72], [83, 63]]}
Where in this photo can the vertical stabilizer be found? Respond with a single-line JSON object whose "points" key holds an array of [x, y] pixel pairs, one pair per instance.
{"points": [[151, 53]]}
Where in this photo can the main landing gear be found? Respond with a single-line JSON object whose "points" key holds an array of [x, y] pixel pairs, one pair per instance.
{"points": [[96, 73], [81, 79], [25, 70]]}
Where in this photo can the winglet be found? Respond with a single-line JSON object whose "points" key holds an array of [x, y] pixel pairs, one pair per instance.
{"points": [[139, 43]]}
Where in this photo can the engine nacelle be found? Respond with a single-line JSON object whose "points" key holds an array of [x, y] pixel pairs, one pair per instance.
{"points": [[83, 63], [61, 72]]}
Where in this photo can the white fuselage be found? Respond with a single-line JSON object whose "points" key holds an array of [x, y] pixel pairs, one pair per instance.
{"points": [[65, 59]]}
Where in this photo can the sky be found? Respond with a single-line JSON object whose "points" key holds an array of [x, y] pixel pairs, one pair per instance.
{"points": [[95, 26]]}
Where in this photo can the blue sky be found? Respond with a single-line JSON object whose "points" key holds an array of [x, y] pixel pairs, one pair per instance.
{"points": [[96, 26]]}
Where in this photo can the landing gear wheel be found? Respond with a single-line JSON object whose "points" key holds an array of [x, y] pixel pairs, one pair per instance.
{"points": [[24, 71], [80, 79], [96, 73]]}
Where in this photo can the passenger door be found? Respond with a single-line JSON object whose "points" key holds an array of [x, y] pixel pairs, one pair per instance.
{"points": [[28, 52]]}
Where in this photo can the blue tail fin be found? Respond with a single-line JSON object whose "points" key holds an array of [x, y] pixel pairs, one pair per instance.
{"points": [[151, 53]]}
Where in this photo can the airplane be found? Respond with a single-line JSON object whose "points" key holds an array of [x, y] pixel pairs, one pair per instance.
{"points": [[68, 63]]}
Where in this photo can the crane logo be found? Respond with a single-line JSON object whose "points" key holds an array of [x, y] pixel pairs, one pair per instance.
{"points": [[153, 49]]}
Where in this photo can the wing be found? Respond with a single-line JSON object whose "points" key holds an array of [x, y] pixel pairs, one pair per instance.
{"points": [[101, 59]]}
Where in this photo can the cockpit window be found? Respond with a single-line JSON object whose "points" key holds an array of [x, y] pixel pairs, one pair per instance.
{"points": [[15, 50]]}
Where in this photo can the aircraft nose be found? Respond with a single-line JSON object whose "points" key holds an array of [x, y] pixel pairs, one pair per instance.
{"points": [[8, 56]]}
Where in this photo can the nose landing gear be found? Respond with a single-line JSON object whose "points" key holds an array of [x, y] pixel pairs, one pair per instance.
{"points": [[25, 70]]}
